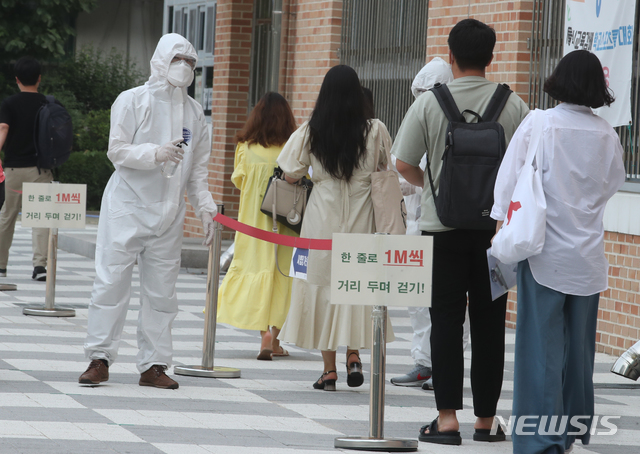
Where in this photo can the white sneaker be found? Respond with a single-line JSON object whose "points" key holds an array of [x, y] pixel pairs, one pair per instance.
{"points": [[416, 377]]}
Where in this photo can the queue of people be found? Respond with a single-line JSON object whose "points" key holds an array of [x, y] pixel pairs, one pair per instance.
{"points": [[158, 125]]}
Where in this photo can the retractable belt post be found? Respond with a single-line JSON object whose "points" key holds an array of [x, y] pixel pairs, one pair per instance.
{"points": [[207, 369], [376, 441], [49, 309]]}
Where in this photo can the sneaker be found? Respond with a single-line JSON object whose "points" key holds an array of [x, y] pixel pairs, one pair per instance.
{"points": [[39, 274], [156, 377], [3, 273], [416, 377], [97, 372], [428, 385]]}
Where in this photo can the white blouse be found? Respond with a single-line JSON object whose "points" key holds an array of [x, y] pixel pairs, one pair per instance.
{"points": [[582, 169]]}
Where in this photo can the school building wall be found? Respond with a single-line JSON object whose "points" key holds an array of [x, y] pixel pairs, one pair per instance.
{"points": [[310, 41]]}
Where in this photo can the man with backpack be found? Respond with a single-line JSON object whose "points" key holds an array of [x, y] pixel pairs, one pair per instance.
{"points": [[17, 121], [462, 160]]}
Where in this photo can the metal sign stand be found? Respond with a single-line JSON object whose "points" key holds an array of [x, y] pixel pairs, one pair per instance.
{"points": [[376, 441], [49, 310], [207, 368]]}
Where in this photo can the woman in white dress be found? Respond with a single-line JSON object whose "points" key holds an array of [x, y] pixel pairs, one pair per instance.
{"points": [[341, 146]]}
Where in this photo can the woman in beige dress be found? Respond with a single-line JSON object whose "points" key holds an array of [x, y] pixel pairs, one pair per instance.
{"points": [[341, 146]]}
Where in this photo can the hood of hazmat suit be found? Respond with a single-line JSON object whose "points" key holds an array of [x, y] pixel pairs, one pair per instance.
{"points": [[143, 119], [436, 71]]}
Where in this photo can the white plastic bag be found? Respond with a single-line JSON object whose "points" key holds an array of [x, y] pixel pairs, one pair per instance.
{"points": [[523, 231]]}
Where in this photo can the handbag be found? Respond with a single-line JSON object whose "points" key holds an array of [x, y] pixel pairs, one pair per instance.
{"points": [[287, 201], [389, 211], [523, 231]]}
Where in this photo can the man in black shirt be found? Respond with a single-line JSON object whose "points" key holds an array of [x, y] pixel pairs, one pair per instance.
{"points": [[17, 120]]}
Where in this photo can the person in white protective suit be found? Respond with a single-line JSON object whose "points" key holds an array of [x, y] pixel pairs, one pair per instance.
{"points": [[436, 71], [142, 213]]}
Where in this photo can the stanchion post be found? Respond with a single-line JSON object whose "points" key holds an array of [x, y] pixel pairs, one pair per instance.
{"points": [[207, 369], [376, 441], [49, 309]]}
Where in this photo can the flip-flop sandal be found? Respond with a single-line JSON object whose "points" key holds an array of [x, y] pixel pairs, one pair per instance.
{"points": [[450, 437], [265, 354], [486, 435], [282, 353]]}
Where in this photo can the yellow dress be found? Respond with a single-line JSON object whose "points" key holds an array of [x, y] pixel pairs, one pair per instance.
{"points": [[253, 294]]}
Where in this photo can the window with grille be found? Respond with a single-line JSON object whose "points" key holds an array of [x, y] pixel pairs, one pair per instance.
{"points": [[386, 43]]}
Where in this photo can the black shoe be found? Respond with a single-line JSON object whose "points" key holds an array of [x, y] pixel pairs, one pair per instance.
{"points": [[355, 377], [3, 272], [39, 274], [327, 385]]}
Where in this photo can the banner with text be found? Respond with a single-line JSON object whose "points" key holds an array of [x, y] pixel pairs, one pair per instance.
{"points": [[381, 270], [605, 28], [54, 205]]}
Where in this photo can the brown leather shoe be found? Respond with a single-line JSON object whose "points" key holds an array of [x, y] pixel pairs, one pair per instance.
{"points": [[96, 373], [156, 377]]}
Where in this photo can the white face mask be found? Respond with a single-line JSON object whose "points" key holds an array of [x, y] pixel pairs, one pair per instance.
{"points": [[180, 74]]}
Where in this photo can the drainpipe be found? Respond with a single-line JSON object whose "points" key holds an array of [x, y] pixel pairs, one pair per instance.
{"points": [[274, 51]]}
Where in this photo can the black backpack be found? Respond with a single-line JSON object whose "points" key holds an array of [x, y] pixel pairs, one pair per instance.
{"points": [[53, 134], [471, 159]]}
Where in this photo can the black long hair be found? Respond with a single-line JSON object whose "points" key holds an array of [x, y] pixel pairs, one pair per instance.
{"points": [[338, 126]]}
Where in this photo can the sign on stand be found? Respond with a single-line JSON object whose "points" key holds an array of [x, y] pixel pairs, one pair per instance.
{"points": [[381, 270], [53, 206], [60, 206]]}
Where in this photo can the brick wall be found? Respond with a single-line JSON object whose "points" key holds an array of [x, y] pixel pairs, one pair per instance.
{"points": [[230, 102], [619, 312], [310, 51], [512, 23]]}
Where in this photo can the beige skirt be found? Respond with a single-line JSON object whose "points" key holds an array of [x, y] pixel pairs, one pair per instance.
{"points": [[314, 323]]}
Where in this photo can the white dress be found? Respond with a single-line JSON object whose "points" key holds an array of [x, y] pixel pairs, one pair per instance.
{"points": [[334, 206]]}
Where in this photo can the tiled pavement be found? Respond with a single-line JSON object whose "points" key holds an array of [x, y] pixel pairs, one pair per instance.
{"points": [[271, 409]]}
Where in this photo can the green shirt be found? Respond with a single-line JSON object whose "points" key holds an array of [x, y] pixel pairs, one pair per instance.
{"points": [[424, 129]]}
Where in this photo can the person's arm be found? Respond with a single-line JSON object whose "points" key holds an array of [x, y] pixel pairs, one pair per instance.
{"points": [[412, 174], [198, 182], [4, 130], [123, 128], [411, 142], [294, 157]]}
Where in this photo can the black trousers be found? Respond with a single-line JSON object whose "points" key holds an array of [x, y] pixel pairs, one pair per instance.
{"points": [[460, 269]]}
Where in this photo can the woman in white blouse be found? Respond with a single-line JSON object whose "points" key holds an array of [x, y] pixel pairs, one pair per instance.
{"points": [[558, 290]]}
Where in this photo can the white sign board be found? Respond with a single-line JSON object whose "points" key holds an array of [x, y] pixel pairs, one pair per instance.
{"points": [[605, 28], [54, 205], [381, 270]]}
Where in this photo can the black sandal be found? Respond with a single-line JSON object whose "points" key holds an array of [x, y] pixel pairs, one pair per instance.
{"points": [[327, 385], [486, 435], [449, 437], [355, 377]]}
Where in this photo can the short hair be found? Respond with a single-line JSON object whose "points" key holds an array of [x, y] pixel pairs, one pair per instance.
{"points": [[27, 70], [579, 79], [369, 110], [270, 123], [471, 42]]}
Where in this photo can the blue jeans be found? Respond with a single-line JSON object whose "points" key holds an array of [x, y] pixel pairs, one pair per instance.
{"points": [[554, 358]]}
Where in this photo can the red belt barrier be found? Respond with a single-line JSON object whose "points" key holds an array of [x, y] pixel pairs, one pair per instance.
{"points": [[283, 240]]}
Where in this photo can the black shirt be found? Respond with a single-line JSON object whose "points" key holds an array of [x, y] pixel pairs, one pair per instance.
{"points": [[19, 112]]}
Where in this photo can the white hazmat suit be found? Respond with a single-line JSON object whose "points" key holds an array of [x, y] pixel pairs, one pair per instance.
{"points": [[142, 212]]}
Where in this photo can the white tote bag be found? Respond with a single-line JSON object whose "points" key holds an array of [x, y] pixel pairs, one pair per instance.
{"points": [[522, 233], [389, 211]]}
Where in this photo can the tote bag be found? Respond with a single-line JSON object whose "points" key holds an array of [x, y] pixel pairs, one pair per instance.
{"points": [[523, 231], [389, 211]]}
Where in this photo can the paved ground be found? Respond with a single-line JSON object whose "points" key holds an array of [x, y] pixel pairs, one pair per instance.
{"points": [[271, 409]]}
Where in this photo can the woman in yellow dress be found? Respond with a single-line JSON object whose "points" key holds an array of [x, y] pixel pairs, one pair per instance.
{"points": [[254, 295]]}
